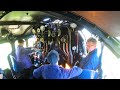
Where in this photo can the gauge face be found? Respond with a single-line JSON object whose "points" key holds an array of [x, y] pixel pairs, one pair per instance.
{"points": [[73, 25], [38, 30], [42, 28], [33, 31], [74, 48]]}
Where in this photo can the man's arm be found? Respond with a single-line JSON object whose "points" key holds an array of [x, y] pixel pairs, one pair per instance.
{"points": [[37, 73], [90, 62], [28, 51], [70, 73], [82, 62]]}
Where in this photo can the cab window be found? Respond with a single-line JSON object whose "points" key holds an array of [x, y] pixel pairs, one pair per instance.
{"points": [[31, 42], [5, 49], [110, 65], [16, 44]]}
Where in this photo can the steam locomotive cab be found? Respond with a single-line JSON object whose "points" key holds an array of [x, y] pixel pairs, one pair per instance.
{"points": [[67, 38]]}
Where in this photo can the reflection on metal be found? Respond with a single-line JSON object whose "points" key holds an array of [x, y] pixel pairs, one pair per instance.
{"points": [[49, 33], [59, 32], [69, 44]]}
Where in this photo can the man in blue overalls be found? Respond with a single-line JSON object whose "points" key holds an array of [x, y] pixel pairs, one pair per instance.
{"points": [[23, 58], [53, 70], [91, 61]]}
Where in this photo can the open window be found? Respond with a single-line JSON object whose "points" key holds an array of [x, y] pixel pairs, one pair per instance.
{"points": [[5, 49]]}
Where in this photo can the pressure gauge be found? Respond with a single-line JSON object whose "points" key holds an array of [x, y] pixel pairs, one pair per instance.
{"points": [[33, 31], [38, 30], [42, 28], [73, 25], [74, 48]]}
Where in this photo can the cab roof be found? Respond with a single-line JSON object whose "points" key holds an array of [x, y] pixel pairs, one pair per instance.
{"points": [[108, 21]]}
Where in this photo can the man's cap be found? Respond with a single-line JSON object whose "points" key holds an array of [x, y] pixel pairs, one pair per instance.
{"points": [[53, 57], [21, 40]]}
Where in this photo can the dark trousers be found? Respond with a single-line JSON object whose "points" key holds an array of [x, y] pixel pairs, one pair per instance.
{"points": [[28, 73]]}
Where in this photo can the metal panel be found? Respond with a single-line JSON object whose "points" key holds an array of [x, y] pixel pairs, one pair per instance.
{"points": [[109, 21]]}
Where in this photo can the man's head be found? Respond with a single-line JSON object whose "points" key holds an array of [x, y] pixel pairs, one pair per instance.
{"points": [[21, 42], [91, 44], [53, 57]]}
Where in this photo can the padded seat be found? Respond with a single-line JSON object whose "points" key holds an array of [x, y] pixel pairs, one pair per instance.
{"points": [[15, 68]]}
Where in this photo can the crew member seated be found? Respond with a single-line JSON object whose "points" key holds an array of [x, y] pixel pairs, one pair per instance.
{"points": [[53, 70], [63, 57], [23, 59]]}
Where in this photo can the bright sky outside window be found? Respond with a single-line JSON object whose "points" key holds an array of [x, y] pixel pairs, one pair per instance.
{"points": [[5, 49]]}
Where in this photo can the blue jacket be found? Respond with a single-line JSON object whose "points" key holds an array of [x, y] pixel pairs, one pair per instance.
{"points": [[23, 58], [49, 71], [91, 61], [87, 74]]}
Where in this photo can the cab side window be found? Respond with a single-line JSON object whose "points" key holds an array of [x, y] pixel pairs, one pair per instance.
{"points": [[5, 49]]}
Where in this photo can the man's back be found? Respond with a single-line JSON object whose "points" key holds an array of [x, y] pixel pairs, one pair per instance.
{"points": [[23, 57], [56, 72]]}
